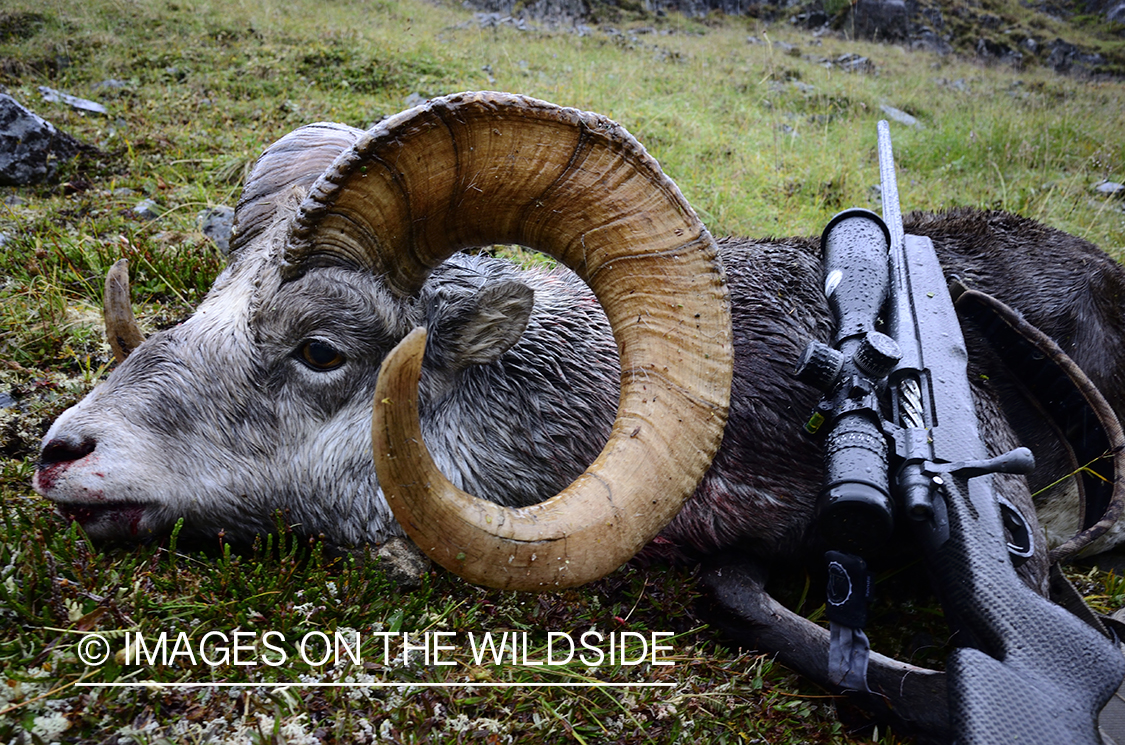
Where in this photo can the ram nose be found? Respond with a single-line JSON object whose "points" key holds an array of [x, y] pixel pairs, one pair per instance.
{"points": [[62, 450], [58, 454]]}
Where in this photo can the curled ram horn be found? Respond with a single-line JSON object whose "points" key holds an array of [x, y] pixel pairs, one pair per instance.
{"points": [[484, 168], [121, 328]]}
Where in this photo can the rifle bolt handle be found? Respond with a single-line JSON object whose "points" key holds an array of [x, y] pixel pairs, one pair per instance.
{"points": [[1019, 460]]}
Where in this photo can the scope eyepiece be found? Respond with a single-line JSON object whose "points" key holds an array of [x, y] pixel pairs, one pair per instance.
{"points": [[855, 517], [854, 512]]}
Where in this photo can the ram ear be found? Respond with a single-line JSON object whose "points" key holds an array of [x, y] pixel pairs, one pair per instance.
{"points": [[481, 327]]}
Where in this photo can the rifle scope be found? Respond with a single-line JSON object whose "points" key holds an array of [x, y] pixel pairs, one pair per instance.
{"points": [[854, 510]]}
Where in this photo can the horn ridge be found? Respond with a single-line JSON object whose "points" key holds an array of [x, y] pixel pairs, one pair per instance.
{"points": [[295, 161], [481, 168]]}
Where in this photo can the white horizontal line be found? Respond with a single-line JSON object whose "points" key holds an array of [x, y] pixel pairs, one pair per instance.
{"points": [[143, 684]]}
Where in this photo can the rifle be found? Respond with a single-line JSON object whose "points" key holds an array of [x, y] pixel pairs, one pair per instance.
{"points": [[903, 439]]}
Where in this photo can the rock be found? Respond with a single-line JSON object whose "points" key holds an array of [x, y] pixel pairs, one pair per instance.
{"points": [[882, 20], [403, 562], [217, 224], [958, 85], [1110, 189], [853, 63], [6, 401], [988, 20], [900, 116], [414, 99], [1065, 57], [78, 104], [929, 41], [933, 16], [495, 20], [77, 186], [918, 25], [111, 84], [147, 209], [815, 19], [112, 88], [990, 50], [30, 146]]}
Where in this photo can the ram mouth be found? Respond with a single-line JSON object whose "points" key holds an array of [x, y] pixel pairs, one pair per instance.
{"points": [[115, 517]]}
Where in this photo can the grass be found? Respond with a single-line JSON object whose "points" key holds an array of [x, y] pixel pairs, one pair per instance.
{"points": [[763, 138], [56, 586]]}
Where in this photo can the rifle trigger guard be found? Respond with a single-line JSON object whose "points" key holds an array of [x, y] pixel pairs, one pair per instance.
{"points": [[1020, 539]]}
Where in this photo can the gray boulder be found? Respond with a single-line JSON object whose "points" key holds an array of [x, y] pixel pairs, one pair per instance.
{"points": [[995, 51], [30, 146], [78, 104], [928, 40], [881, 20], [700, 8], [1110, 189], [217, 223], [1066, 57], [900, 116], [1113, 10], [564, 12], [853, 63], [148, 209]]}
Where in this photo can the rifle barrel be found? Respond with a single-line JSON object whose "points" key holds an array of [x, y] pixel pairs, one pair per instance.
{"points": [[892, 214]]}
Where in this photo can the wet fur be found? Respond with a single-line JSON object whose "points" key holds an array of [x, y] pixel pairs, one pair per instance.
{"points": [[217, 421]]}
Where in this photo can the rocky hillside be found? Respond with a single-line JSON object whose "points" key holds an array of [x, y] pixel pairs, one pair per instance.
{"points": [[1077, 37]]}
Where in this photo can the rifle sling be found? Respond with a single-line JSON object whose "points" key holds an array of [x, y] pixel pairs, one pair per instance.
{"points": [[1064, 393]]}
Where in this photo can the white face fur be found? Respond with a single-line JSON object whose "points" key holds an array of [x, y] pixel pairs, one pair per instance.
{"points": [[226, 418], [262, 401]]}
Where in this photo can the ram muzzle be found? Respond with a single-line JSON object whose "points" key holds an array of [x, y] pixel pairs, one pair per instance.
{"points": [[481, 169]]}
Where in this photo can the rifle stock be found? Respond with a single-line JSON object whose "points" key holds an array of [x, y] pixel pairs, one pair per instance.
{"points": [[1029, 671]]}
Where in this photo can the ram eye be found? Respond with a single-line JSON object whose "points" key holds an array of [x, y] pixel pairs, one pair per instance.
{"points": [[320, 356]]}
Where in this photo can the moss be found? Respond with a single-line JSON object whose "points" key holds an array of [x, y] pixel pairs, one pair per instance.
{"points": [[618, 11], [20, 26], [343, 66]]}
